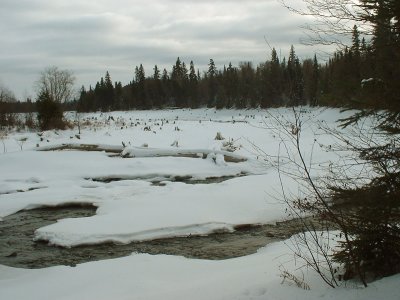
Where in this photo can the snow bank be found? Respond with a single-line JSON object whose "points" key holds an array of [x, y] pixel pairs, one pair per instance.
{"points": [[142, 276]]}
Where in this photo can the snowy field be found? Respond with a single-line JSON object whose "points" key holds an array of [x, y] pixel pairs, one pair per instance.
{"points": [[152, 191]]}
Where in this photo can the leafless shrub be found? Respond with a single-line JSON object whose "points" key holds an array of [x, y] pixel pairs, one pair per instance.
{"points": [[312, 206]]}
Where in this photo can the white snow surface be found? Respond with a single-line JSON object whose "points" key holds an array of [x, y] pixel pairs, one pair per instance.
{"points": [[135, 209], [142, 276]]}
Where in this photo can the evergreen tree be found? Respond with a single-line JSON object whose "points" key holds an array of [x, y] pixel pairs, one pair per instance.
{"points": [[165, 76], [118, 96], [314, 85], [179, 83], [166, 87], [140, 88], [222, 94], [156, 75], [384, 16], [50, 113], [355, 48], [271, 82], [247, 92], [231, 83], [295, 79], [212, 83], [311, 80], [81, 101], [193, 86], [108, 93], [155, 88], [192, 73]]}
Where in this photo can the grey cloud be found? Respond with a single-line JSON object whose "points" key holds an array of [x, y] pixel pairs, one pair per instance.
{"points": [[90, 37]]}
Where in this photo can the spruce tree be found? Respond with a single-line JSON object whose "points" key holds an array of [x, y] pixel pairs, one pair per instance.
{"points": [[193, 86], [50, 115], [276, 81], [108, 93], [155, 89], [212, 83], [295, 79], [314, 85], [231, 83]]}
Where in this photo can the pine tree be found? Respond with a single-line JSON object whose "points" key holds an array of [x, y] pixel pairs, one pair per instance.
{"points": [[179, 83], [192, 73], [118, 96], [315, 82], [165, 76], [355, 48], [156, 75], [247, 91], [108, 92], [275, 87], [231, 83], [384, 16], [212, 83], [193, 86], [155, 88], [50, 113], [166, 87], [295, 79], [140, 88]]}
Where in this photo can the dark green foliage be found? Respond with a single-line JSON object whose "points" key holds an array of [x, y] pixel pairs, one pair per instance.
{"points": [[371, 213], [294, 79], [179, 84], [364, 75], [372, 218], [245, 86], [139, 89], [212, 84], [311, 73], [50, 115], [384, 16], [193, 87]]}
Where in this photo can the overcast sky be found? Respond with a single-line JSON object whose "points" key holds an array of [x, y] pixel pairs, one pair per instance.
{"points": [[89, 37]]}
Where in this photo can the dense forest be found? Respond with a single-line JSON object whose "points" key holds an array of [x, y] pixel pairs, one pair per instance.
{"points": [[351, 77]]}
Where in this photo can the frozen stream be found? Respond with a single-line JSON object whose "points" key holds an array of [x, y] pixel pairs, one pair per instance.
{"points": [[18, 249]]}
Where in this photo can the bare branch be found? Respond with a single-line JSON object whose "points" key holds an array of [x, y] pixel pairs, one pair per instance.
{"points": [[333, 20], [57, 83]]}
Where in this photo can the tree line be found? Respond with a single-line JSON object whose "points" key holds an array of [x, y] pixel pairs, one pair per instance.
{"points": [[273, 83], [351, 77]]}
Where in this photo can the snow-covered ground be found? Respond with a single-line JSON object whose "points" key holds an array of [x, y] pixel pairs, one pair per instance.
{"points": [[142, 276], [136, 209]]}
